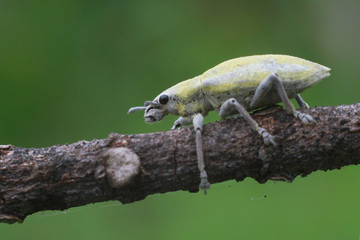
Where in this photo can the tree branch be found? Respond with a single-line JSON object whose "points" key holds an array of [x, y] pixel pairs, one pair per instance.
{"points": [[64, 176]]}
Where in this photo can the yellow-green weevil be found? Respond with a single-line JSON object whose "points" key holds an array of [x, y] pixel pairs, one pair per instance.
{"points": [[237, 86]]}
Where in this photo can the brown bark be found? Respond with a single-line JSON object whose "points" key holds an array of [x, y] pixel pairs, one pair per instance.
{"points": [[64, 176]]}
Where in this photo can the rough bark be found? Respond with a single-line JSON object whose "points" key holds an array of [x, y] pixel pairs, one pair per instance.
{"points": [[64, 176]]}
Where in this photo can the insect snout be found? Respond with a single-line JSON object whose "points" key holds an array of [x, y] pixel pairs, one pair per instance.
{"points": [[150, 119], [154, 110], [154, 113]]}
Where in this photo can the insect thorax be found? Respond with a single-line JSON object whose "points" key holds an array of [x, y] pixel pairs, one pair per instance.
{"points": [[188, 98]]}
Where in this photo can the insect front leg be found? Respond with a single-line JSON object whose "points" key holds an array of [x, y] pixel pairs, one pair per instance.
{"points": [[182, 121], [273, 81], [198, 123], [227, 108]]}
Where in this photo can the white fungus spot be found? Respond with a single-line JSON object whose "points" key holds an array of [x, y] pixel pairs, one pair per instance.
{"points": [[122, 164]]}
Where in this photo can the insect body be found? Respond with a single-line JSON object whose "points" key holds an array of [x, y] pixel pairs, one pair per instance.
{"points": [[237, 86]]}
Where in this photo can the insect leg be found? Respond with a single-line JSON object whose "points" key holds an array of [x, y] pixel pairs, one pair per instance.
{"points": [[301, 102], [230, 104], [198, 122], [264, 88], [181, 121]]}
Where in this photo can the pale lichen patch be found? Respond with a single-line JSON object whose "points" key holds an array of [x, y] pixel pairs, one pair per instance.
{"points": [[121, 164], [5, 147]]}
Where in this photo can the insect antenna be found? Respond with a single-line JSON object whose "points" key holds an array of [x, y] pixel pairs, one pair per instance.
{"points": [[134, 109]]}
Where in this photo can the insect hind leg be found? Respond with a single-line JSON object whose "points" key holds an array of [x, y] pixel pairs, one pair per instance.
{"points": [[301, 102], [273, 81], [232, 103]]}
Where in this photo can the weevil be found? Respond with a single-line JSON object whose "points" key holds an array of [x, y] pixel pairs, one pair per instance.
{"points": [[237, 86]]}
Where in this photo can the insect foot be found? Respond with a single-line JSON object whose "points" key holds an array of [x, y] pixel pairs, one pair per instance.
{"points": [[305, 118], [267, 137], [204, 183]]}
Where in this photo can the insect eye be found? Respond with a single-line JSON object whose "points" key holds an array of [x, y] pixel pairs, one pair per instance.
{"points": [[164, 99]]}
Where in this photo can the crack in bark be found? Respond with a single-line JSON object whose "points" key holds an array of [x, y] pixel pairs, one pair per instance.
{"points": [[174, 156]]}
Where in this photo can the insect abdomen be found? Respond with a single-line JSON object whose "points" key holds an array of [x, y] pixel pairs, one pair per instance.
{"points": [[240, 77]]}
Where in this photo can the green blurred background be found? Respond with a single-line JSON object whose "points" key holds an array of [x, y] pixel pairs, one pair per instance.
{"points": [[70, 70]]}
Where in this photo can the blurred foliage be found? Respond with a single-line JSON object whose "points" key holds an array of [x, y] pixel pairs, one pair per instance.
{"points": [[70, 70]]}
